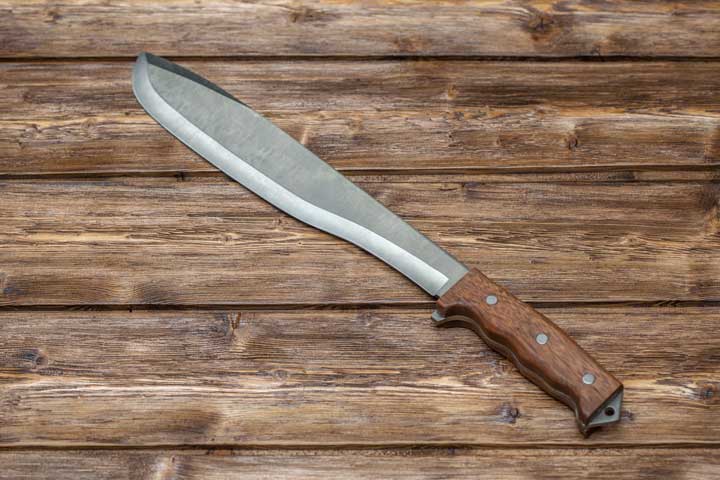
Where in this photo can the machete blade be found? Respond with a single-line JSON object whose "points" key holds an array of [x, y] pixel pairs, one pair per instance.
{"points": [[259, 155]]}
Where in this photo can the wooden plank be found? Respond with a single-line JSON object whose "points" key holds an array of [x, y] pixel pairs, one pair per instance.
{"points": [[338, 378], [452, 464], [415, 27], [392, 116], [207, 240]]}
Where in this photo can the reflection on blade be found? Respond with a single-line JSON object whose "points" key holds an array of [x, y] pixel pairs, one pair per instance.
{"points": [[263, 158]]}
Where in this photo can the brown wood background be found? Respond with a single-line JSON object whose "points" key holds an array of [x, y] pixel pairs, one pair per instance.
{"points": [[159, 321]]}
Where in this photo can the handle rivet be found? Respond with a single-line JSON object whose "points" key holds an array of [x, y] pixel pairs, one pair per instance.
{"points": [[588, 379], [491, 299], [541, 338]]}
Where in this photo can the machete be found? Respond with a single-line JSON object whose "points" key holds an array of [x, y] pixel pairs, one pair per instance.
{"points": [[254, 152]]}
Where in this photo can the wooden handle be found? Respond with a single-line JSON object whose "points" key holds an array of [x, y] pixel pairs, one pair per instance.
{"points": [[539, 349]]}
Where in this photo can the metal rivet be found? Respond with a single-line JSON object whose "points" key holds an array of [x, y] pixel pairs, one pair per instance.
{"points": [[588, 379], [491, 300], [541, 338]]}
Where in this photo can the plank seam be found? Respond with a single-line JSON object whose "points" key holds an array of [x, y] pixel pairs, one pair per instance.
{"points": [[520, 171], [349, 306], [415, 447], [373, 58]]}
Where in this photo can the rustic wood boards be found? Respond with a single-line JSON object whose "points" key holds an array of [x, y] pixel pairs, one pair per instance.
{"points": [[159, 321], [207, 241], [337, 378], [450, 463], [378, 28], [382, 116]]}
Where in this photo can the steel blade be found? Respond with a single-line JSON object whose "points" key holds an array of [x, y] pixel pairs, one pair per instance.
{"points": [[253, 151]]}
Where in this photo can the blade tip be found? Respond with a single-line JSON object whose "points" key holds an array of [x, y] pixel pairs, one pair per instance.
{"points": [[146, 58]]}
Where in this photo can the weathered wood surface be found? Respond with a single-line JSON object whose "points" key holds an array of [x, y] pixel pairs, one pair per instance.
{"points": [[451, 464], [392, 116], [567, 181], [344, 377], [207, 240], [289, 27]]}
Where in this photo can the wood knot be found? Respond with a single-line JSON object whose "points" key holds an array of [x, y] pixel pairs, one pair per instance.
{"points": [[368, 319], [228, 238], [232, 323], [9, 289], [280, 375], [451, 92], [54, 16], [572, 142], [509, 413], [541, 24], [709, 393], [309, 15], [36, 357]]}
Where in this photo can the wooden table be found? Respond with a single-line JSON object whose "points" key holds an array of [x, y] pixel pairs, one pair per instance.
{"points": [[159, 321]]}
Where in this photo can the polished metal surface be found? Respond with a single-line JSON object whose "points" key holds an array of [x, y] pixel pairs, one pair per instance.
{"points": [[608, 413], [437, 316], [250, 149], [491, 299], [541, 338], [588, 379]]}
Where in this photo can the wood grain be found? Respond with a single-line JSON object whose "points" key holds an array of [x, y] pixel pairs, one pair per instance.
{"points": [[416, 27], [207, 240], [557, 364], [159, 321], [453, 464], [382, 116], [338, 378]]}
